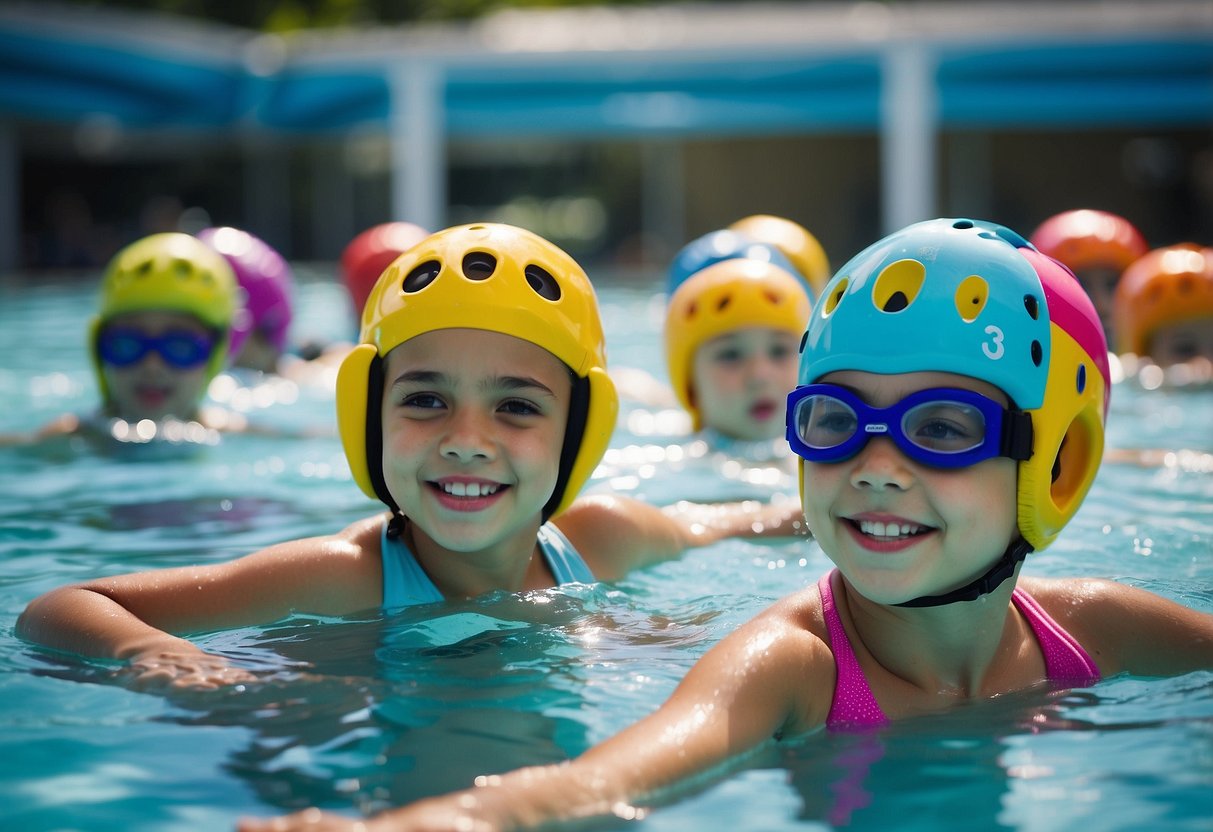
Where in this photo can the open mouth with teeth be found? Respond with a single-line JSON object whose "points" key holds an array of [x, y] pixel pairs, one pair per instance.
{"points": [[468, 490], [889, 531]]}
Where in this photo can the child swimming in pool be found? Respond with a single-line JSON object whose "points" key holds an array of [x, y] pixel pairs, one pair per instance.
{"points": [[735, 311], [953, 387], [160, 335], [1163, 308], [475, 407]]}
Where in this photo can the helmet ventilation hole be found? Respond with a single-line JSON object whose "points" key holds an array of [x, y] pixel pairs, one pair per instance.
{"points": [[1080, 383], [542, 282], [896, 302], [479, 265], [182, 268], [723, 303], [420, 277], [1037, 353], [804, 339], [1032, 305], [835, 297]]}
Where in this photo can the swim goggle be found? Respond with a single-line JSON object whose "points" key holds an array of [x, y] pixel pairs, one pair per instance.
{"points": [[943, 427], [121, 347]]}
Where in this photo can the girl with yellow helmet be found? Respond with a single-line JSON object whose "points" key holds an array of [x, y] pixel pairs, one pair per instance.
{"points": [[475, 407], [161, 333], [953, 384]]}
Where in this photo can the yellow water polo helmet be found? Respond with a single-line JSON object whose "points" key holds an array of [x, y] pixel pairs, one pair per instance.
{"points": [[1169, 285], [169, 272], [796, 243], [492, 277], [726, 296]]}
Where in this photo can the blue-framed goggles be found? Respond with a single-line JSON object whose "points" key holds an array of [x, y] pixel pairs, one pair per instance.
{"points": [[944, 427], [123, 347]]}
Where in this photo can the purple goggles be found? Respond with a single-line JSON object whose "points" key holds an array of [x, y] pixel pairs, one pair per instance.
{"points": [[943, 427]]}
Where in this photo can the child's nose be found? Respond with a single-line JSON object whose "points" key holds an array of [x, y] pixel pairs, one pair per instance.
{"points": [[879, 465], [468, 437]]}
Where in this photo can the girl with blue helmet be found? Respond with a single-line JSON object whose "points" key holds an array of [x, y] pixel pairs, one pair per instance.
{"points": [[474, 408], [950, 419]]}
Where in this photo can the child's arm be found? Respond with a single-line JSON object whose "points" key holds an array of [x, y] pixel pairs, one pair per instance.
{"points": [[618, 534], [770, 678], [1129, 630], [133, 617]]}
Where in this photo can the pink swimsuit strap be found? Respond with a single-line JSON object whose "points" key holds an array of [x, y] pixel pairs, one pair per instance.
{"points": [[1065, 660], [854, 706]]}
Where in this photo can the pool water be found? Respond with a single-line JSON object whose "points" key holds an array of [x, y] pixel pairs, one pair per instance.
{"points": [[361, 713]]}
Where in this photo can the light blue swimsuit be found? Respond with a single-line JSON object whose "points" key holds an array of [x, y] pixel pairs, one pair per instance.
{"points": [[406, 584]]}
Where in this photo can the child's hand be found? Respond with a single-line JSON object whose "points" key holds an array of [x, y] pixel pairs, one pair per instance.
{"points": [[183, 668]]}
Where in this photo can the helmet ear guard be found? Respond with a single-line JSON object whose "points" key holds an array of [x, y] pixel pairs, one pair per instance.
{"points": [[354, 413], [1068, 436]]}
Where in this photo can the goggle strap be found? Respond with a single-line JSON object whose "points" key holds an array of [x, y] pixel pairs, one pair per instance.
{"points": [[1016, 441]]}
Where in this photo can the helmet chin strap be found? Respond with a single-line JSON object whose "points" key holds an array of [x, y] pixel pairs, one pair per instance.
{"points": [[1002, 569]]}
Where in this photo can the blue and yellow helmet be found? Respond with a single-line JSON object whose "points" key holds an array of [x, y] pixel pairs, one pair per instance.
{"points": [[169, 272], [491, 277], [976, 299]]}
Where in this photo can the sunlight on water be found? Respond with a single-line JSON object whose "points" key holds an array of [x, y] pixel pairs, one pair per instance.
{"points": [[364, 712]]}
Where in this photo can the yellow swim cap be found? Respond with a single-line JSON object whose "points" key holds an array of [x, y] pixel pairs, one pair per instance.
{"points": [[168, 272], [796, 243], [727, 296], [491, 277]]}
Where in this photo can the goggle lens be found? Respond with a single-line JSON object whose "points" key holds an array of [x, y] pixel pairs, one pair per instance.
{"points": [[178, 348]]}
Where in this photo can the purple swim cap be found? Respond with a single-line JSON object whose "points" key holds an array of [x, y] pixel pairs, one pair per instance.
{"points": [[266, 280]]}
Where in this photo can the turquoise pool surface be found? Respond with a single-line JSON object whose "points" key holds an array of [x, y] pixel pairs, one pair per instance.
{"points": [[360, 713]]}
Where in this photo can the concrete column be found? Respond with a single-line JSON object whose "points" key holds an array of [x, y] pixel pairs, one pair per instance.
{"points": [[417, 133], [908, 131]]}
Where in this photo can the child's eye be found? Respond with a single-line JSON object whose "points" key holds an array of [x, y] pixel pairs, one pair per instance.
{"points": [[519, 407], [728, 356], [426, 401], [779, 352]]}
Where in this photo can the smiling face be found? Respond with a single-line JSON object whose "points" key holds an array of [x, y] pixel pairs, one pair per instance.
{"points": [[899, 529], [742, 379], [473, 425], [151, 387]]}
